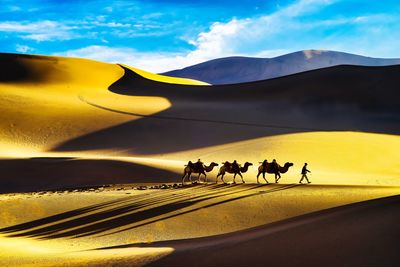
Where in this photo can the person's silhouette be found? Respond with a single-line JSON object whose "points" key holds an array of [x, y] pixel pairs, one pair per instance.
{"points": [[190, 164], [199, 165], [235, 166], [304, 171], [275, 165], [264, 163]]}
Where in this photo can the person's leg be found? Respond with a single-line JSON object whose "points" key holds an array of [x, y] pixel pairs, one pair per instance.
{"points": [[301, 180], [307, 179]]}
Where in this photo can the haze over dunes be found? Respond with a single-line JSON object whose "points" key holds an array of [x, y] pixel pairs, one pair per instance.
{"points": [[246, 69], [69, 127]]}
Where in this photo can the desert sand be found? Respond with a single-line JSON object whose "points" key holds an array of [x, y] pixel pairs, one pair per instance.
{"points": [[78, 137]]}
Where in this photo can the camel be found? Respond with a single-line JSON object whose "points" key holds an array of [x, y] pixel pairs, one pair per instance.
{"points": [[187, 171], [227, 167], [270, 168]]}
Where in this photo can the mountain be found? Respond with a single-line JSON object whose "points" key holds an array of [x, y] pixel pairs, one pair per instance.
{"points": [[231, 70]]}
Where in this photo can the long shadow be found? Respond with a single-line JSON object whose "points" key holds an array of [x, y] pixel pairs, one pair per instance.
{"points": [[131, 212], [61, 216], [297, 221], [133, 202], [337, 98], [284, 187], [75, 213], [128, 215]]}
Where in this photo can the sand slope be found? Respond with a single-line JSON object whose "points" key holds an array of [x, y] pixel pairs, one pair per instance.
{"points": [[362, 234], [68, 123], [85, 110], [111, 226]]}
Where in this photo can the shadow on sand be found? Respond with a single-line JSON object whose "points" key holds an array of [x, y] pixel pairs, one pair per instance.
{"points": [[361, 234], [332, 99], [133, 212]]}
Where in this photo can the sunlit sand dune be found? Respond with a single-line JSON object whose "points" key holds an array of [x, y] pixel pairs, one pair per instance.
{"points": [[42, 100], [124, 226], [71, 127], [333, 157], [163, 78]]}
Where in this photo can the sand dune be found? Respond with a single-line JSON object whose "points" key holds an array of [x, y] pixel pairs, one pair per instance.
{"points": [[131, 223], [362, 234], [74, 125], [82, 109], [56, 173]]}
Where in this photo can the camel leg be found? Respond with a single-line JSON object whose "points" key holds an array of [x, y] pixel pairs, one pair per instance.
{"points": [[205, 177], [234, 176], [222, 178], [190, 177], [198, 177], [183, 178], [264, 178], [257, 177], [241, 177], [276, 178], [279, 176]]}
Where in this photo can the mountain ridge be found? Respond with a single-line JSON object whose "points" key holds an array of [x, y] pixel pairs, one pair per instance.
{"points": [[238, 69]]}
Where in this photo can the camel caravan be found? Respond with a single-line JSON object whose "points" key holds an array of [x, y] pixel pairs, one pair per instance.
{"points": [[234, 168]]}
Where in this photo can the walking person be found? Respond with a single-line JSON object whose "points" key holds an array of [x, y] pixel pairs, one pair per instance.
{"points": [[304, 171]]}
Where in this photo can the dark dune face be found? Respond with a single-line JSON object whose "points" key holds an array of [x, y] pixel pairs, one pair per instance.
{"points": [[361, 234], [16, 68], [21, 175], [246, 69], [341, 98]]}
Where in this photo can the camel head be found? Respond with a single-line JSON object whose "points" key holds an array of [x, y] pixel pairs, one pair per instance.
{"points": [[248, 164], [288, 164], [213, 164]]}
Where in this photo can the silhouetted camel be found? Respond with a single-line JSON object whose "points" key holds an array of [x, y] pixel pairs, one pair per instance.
{"points": [[227, 167], [275, 169], [188, 170]]}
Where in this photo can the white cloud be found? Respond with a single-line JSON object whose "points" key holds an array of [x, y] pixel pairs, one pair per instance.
{"points": [[39, 31], [23, 48], [112, 24], [222, 39], [155, 62], [240, 37]]}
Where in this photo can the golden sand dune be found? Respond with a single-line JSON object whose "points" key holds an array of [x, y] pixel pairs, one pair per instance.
{"points": [[42, 100], [333, 157], [70, 123], [81, 109], [163, 78], [362, 234], [110, 226]]}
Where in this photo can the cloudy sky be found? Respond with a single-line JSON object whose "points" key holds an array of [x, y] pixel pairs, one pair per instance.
{"points": [[160, 35]]}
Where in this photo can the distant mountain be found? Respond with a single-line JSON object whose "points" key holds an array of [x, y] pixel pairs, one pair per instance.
{"points": [[246, 69]]}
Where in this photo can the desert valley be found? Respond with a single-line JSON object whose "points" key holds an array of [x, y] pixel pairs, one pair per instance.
{"points": [[92, 157]]}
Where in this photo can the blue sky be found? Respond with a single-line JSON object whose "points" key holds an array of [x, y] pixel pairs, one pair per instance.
{"points": [[163, 35]]}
